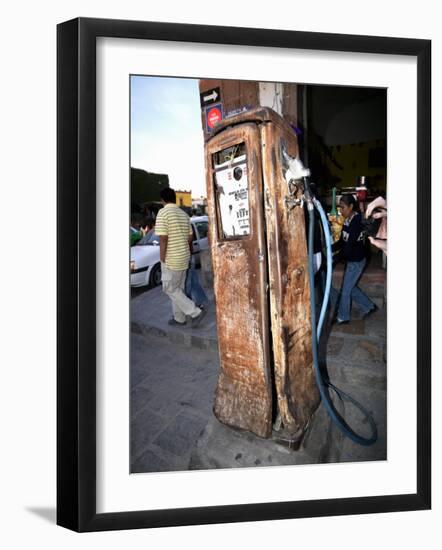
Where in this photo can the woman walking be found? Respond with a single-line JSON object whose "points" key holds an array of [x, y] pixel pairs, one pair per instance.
{"points": [[351, 249]]}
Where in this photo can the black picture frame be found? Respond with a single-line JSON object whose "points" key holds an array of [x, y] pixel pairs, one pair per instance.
{"points": [[76, 274]]}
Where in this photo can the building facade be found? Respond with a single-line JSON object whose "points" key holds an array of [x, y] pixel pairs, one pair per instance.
{"points": [[184, 198]]}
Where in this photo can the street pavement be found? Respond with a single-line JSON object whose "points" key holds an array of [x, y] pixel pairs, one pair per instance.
{"points": [[173, 378], [171, 400]]}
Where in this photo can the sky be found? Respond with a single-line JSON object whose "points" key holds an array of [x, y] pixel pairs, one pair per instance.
{"points": [[166, 133]]}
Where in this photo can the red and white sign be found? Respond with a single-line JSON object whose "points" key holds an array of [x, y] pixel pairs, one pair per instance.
{"points": [[214, 115]]}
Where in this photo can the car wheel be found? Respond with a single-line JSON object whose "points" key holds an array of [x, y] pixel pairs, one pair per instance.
{"points": [[155, 275]]}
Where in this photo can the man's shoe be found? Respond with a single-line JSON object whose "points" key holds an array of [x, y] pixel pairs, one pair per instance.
{"points": [[372, 310], [338, 321], [197, 320], [175, 322]]}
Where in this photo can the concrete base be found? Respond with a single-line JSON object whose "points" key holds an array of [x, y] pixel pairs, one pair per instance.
{"points": [[221, 446]]}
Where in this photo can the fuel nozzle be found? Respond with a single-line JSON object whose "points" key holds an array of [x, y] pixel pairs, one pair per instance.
{"points": [[294, 174], [297, 171]]}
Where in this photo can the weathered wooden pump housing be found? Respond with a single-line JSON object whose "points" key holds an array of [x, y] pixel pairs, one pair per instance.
{"points": [[260, 267]]}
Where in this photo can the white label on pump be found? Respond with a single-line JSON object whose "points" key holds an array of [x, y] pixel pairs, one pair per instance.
{"points": [[233, 197]]}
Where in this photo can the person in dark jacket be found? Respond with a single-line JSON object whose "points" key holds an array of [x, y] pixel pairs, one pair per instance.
{"points": [[351, 249]]}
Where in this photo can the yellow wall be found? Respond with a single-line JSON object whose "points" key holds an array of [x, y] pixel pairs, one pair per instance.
{"points": [[354, 159], [184, 198]]}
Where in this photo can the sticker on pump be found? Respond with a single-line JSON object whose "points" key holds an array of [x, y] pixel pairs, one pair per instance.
{"points": [[214, 114], [233, 198]]}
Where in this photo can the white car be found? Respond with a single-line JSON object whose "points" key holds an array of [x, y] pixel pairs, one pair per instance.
{"points": [[145, 263]]}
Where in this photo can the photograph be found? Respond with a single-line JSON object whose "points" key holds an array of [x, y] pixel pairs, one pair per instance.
{"points": [[258, 274], [242, 209]]}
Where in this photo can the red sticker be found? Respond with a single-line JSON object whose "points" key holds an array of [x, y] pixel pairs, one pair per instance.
{"points": [[214, 115]]}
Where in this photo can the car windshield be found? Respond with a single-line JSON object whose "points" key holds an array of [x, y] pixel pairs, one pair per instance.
{"points": [[203, 228], [150, 239]]}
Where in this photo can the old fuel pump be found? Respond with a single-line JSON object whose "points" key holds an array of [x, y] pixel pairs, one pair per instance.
{"points": [[264, 280], [261, 281]]}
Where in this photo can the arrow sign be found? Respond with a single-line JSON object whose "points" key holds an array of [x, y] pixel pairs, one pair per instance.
{"points": [[210, 96]]}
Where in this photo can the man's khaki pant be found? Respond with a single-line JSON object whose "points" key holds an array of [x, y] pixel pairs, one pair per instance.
{"points": [[173, 285]]}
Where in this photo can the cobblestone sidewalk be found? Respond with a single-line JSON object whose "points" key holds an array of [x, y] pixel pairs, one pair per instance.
{"points": [[173, 377]]}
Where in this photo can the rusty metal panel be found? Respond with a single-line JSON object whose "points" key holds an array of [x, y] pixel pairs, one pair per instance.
{"points": [[297, 394], [238, 93], [290, 103], [244, 391]]}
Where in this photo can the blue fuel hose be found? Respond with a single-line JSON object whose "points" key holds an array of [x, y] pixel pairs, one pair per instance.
{"points": [[324, 385], [328, 279]]}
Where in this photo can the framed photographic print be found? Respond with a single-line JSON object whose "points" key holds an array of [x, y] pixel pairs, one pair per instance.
{"points": [[259, 348]]}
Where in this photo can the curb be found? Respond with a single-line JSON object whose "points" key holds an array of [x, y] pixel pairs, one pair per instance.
{"points": [[180, 337]]}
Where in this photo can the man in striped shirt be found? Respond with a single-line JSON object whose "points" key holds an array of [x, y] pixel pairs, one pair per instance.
{"points": [[174, 229]]}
